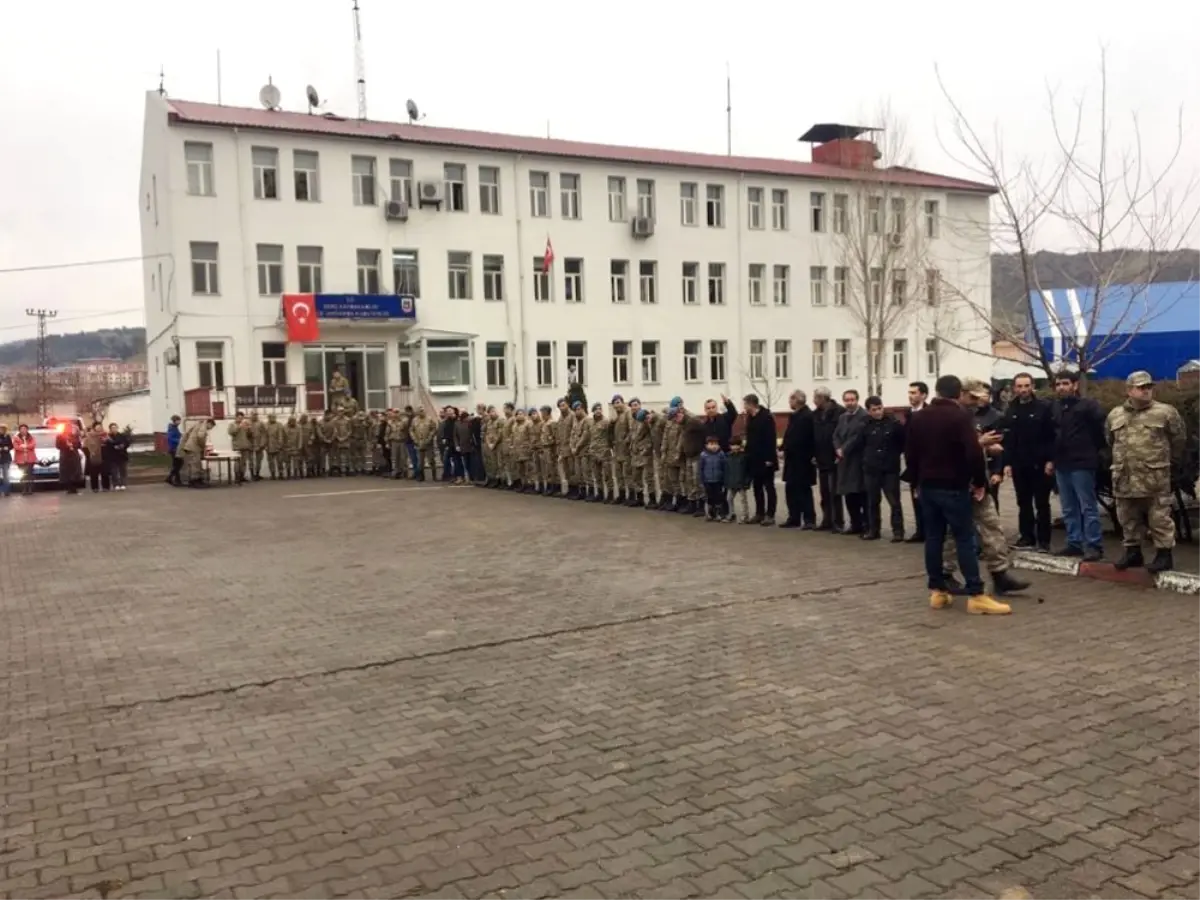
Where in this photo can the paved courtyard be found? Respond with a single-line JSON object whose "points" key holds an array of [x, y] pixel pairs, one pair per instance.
{"points": [[345, 689]]}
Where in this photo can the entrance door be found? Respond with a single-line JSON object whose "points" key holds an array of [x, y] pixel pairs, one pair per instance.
{"points": [[352, 366]]}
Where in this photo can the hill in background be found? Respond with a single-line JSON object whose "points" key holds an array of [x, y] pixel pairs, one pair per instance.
{"points": [[118, 343]]}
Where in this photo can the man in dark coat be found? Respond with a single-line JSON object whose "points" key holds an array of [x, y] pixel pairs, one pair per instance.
{"points": [[718, 423], [883, 443], [825, 420], [1028, 449], [799, 471], [848, 445], [761, 458], [70, 467], [918, 399]]}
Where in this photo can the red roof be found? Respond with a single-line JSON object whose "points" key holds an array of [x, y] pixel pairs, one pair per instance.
{"points": [[189, 113]]}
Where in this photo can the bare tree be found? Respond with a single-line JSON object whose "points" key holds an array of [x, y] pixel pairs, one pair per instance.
{"points": [[759, 376], [1114, 207]]}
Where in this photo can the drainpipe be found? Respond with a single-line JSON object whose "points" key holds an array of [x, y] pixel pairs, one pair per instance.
{"points": [[519, 350]]}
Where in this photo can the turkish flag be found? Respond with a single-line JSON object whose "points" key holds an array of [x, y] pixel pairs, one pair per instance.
{"points": [[300, 314], [548, 257]]}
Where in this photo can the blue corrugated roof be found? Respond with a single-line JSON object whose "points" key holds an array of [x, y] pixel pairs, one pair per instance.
{"points": [[1144, 308]]}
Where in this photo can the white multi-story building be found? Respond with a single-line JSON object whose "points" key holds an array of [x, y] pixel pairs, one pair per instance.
{"points": [[673, 273]]}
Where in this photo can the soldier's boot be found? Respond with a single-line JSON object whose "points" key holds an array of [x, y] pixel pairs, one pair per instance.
{"points": [[940, 599], [1007, 583], [698, 508], [1131, 559], [1164, 561], [619, 499], [685, 507], [664, 501], [983, 605]]}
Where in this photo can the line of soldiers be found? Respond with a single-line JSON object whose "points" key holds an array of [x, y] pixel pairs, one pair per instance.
{"points": [[633, 457]]}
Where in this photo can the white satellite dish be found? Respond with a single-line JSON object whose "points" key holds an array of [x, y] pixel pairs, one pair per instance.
{"points": [[314, 100], [269, 96], [413, 112]]}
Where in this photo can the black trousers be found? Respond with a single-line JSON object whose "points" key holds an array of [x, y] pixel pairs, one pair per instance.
{"points": [[799, 499], [856, 510], [97, 476], [714, 493], [176, 469], [880, 486], [1033, 487], [919, 529], [831, 504], [764, 492]]}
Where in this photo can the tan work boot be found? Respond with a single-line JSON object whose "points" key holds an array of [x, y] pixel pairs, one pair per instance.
{"points": [[983, 605], [940, 599]]}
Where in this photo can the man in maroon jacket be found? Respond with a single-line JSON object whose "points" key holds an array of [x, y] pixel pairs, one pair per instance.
{"points": [[947, 467]]}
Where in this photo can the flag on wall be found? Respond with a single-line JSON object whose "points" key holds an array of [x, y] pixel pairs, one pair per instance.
{"points": [[300, 315], [548, 257]]}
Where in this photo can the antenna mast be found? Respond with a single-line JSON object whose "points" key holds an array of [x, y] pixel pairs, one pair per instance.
{"points": [[360, 65], [43, 358], [728, 112]]}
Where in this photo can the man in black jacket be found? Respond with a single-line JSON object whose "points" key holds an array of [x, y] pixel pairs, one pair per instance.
{"points": [[1079, 438], [718, 423], [761, 457], [825, 420], [918, 399], [799, 473], [1028, 448], [883, 443]]}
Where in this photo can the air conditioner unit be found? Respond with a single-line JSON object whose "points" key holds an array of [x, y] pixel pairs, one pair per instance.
{"points": [[396, 211], [643, 226], [171, 356], [429, 193], [896, 239]]}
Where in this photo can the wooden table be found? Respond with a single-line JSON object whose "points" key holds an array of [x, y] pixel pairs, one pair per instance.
{"points": [[225, 464]]}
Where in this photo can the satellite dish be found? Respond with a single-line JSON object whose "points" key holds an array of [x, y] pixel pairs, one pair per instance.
{"points": [[269, 96], [314, 99], [413, 112]]}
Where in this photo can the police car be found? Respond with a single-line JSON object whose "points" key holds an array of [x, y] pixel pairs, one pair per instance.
{"points": [[45, 469]]}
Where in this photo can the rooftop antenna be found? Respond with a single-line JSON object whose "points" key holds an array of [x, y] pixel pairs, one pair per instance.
{"points": [[162, 82], [269, 95], [360, 65], [314, 99], [728, 113], [219, 77], [414, 114]]}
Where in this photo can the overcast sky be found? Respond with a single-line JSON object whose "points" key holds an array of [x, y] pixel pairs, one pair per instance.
{"points": [[72, 77]]}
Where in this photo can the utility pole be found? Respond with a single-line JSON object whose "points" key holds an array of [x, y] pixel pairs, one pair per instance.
{"points": [[360, 66], [43, 358]]}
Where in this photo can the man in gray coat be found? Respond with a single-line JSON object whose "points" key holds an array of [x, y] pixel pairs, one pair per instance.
{"points": [[848, 446]]}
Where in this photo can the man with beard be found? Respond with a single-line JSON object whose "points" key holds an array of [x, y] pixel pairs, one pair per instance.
{"points": [[799, 472]]}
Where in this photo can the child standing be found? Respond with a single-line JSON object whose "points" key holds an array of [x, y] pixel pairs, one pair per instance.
{"points": [[712, 475], [737, 482]]}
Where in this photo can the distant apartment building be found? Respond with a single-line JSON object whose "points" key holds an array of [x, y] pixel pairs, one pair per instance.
{"points": [[108, 375]]}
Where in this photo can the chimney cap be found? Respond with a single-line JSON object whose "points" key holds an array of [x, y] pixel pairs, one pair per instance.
{"points": [[824, 132]]}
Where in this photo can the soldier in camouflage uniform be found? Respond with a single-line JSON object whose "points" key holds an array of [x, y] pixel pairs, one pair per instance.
{"points": [[291, 448], [242, 442], [671, 461], [258, 435], [658, 424], [507, 465], [422, 431], [359, 440], [622, 471], [304, 447], [535, 439], [520, 450], [600, 452], [548, 452], [395, 443], [1147, 438], [275, 436], [562, 449], [580, 434], [322, 434], [640, 456], [332, 427], [402, 432], [493, 434]]}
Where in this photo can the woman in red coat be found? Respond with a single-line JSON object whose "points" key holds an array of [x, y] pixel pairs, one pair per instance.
{"points": [[24, 457]]}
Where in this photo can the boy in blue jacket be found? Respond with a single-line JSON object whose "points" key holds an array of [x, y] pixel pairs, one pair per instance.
{"points": [[712, 476]]}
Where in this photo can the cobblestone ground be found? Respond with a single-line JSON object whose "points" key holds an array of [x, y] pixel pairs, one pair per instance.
{"points": [[454, 692]]}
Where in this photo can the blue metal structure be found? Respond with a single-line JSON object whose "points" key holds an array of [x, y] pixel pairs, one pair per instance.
{"points": [[1164, 320]]}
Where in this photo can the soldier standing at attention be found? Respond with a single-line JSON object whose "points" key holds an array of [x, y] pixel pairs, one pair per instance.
{"points": [[243, 445], [258, 435], [329, 451], [1147, 438], [292, 448], [580, 433], [504, 448], [655, 474], [622, 476], [275, 438], [520, 448], [421, 431], [562, 449], [492, 435], [671, 460], [640, 454], [599, 449], [547, 457], [535, 453], [402, 464]]}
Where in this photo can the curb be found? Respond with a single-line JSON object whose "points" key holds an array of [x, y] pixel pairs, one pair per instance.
{"points": [[1179, 582]]}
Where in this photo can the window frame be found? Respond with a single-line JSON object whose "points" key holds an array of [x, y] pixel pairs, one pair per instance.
{"points": [[618, 206], [269, 271], [400, 181], [780, 214], [693, 351], [211, 267], [493, 277], [495, 367], [311, 176], [687, 204], [781, 285], [489, 191], [652, 359], [368, 271], [205, 183], [618, 281], [570, 190], [460, 275], [714, 205], [455, 187], [265, 188], [539, 195], [755, 221], [714, 283], [621, 362], [364, 185]]}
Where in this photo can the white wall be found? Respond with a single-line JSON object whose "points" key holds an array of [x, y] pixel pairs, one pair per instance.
{"points": [[242, 319]]}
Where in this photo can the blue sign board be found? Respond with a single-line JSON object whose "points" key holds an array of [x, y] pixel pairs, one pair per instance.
{"points": [[365, 306]]}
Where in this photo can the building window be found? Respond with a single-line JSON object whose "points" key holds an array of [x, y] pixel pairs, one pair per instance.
{"points": [[932, 354], [649, 362], [648, 281], [779, 209], [900, 358], [817, 206], [362, 174], [691, 361], [841, 358], [758, 274], [199, 168], [541, 280], [876, 287], [495, 353], [573, 280], [645, 198], [270, 269], [758, 359], [754, 208], [781, 282], [783, 360], [841, 278], [266, 172], [691, 274], [577, 361], [616, 199], [406, 272], [368, 271], [899, 287], [449, 362], [841, 213], [539, 194], [816, 285], [716, 284], [400, 172], [568, 187], [688, 194], [874, 214], [406, 368], [309, 262], [618, 280], [455, 176], [544, 363], [620, 362], [459, 269], [933, 281], [489, 190], [204, 268], [899, 216], [493, 277], [306, 175], [819, 351], [716, 360], [274, 363], [932, 219], [210, 360], [714, 205]]}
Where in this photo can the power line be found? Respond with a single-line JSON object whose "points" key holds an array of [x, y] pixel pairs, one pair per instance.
{"points": [[43, 358], [80, 264], [95, 315]]}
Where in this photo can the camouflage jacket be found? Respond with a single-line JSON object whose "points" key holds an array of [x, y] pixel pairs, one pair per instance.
{"points": [[640, 445], [274, 437], [621, 426], [600, 440], [258, 434], [520, 440], [1144, 444], [580, 432], [240, 433], [293, 438], [565, 427]]}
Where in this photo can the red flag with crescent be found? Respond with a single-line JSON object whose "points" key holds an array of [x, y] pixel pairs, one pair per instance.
{"points": [[548, 257], [300, 314]]}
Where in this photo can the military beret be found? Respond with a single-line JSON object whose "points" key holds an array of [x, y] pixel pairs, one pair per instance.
{"points": [[576, 405], [547, 408], [596, 407], [617, 398]]}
